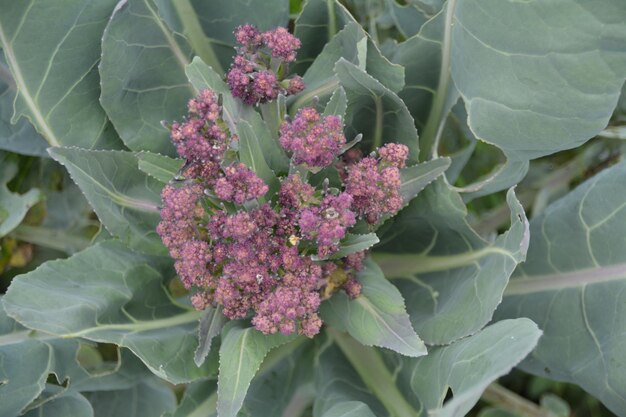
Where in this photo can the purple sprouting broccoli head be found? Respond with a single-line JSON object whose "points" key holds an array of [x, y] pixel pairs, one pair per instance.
{"points": [[271, 256]]}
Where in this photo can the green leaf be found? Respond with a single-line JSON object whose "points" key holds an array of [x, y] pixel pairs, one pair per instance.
{"points": [[375, 111], [13, 206], [349, 409], [125, 199], [56, 75], [219, 18], [158, 166], [415, 178], [241, 354], [199, 400], [337, 382], [143, 75], [109, 294], [353, 44], [211, 324], [337, 104], [377, 317], [149, 398], [251, 154], [316, 25], [408, 19], [572, 284], [65, 405], [452, 280], [21, 137], [539, 89], [355, 243], [466, 367]]}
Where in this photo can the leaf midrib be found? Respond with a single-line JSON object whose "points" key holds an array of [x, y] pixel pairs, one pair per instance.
{"points": [[47, 131]]}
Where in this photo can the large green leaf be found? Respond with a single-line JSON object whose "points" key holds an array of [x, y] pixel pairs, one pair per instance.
{"points": [[377, 317], [573, 285], [452, 280], [143, 75], [125, 199], [219, 18], [375, 111], [241, 354], [466, 367], [13, 206], [20, 137], [149, 398], [316, 25], [56, 75], [530, 72], [349, 409], [109, 294], [69, 404]]}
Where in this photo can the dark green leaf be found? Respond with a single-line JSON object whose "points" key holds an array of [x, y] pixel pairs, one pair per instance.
{"points": [[158, 166], [149, 398]]}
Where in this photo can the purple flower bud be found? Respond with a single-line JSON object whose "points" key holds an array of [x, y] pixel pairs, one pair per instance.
{"points": [[239, 184], [282, 44], [313, 139]]}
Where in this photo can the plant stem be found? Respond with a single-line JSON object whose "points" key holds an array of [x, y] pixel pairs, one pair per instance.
{"points": [[370, 367], [194, 33], [497, 395], [429, 139]]}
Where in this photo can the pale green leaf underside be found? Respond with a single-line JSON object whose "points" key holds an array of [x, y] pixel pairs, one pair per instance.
{"points": [[109, 294], [56, 74], [573, 284]]}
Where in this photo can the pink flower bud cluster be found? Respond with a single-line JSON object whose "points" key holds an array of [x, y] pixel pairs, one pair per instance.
{"points": [[255, 75], [374, 184], [270, 258], [314, 140]]}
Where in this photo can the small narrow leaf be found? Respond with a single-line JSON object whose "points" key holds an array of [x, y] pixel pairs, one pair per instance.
{"points": [[337, 104], [415, 178], [241, 354], [160, 167], [251, 154], [355, 243], [125, 199], [377, 317], [211, 324]]}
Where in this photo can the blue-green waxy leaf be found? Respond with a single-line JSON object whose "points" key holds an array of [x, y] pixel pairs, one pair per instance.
{"points": [[158, 166], [467, 367], [452, 280], [316, 25], [408, 19], [211, 324], [149, 398], [56, 75], [20, 137], [219, 18], [251, 154], [13, 206], [109, 294], [143, 75], [377, 317], [125, 199], [241, 354], [375, 111], [198, 400], [353, 243], [529, 83], [349, 409], [65, 405], [337, 104], [415, 178], [573, 285]]}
